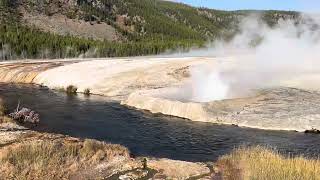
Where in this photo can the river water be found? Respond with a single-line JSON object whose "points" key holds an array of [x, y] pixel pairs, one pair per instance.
{"points": [[147, 134]]}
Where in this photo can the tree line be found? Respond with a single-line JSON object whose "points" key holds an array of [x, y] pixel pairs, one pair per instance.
{"points": [[22, 42], [159, 26]]}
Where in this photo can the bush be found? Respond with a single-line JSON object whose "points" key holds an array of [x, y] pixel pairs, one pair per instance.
{"points": [[71, 89], [86, 92]]}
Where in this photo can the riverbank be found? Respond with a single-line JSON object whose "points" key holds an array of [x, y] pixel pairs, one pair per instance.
{"points": [[282, 108], [166, 85], [26, 154]]}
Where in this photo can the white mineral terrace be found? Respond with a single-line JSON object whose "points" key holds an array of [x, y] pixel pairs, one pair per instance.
{"points": [[172, 87]]}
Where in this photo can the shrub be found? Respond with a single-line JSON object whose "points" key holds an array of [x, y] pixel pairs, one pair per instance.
{"points": [[87, 91], [71, 89]]}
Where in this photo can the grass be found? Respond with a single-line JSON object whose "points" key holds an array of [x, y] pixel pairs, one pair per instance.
{"points": [[40, 159], [2, 108], [3, 118], [6, 119], [260, 163]]}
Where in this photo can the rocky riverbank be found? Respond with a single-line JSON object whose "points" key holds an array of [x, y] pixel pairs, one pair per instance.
{"points": [[25, 153], [32, 155]]}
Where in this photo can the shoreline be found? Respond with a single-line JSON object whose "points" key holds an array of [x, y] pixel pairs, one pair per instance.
{"points": [[110, 99], [141, 83], [90, 158], [25, 153]]}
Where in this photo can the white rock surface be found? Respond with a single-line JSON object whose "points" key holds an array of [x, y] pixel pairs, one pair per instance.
{"points": [[163, 85]]}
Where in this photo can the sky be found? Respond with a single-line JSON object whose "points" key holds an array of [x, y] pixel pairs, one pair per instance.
{"points": [[297, 5]]}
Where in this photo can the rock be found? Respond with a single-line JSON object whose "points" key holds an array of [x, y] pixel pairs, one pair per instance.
{"points": [[172, 169], [136, 174], [145, 101]]}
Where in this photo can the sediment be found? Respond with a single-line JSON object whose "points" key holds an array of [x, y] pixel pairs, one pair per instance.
{"points": [[23, 72]]}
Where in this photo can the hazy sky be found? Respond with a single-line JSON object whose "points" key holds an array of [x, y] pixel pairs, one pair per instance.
{"points": [[300, 5]]}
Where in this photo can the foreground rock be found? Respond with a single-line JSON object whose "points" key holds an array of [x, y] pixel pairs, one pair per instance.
{"points": [[178, 169]]}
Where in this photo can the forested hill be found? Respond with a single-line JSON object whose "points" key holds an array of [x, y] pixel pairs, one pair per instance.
{"points": [[108, 28]]}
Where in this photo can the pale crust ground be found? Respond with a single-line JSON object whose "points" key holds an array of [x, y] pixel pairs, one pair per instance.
{"points": [[146, 83]]}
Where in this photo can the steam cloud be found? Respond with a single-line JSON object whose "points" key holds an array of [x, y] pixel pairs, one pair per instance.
{"points": [[284, 52]]}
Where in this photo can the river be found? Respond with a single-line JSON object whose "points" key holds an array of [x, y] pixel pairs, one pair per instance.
{"points": [[147, 134]]}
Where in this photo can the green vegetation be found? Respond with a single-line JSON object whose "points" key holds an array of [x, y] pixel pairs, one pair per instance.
{"points": [[23, 42], [147, 27], [262, 163]]}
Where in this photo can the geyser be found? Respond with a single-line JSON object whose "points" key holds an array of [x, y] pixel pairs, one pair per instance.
{"points": [[207, 85], [265, 57]]}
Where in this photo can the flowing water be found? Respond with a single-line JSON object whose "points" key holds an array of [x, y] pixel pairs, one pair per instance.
{"points": [[147, 134]]}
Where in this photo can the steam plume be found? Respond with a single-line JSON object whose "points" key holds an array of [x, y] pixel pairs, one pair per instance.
{"points": [[264, 57]]}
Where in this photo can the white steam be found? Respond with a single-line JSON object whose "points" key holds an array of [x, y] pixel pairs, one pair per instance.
{"points": [[285, 52], [209, 81]]}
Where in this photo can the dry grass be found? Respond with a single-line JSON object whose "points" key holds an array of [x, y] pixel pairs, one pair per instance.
{"points": [[3, 118], [259, 163], [6, 119], [54, 159], [2, 107]]}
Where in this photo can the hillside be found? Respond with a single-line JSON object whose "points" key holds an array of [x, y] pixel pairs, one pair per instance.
{"points": [[108, 28]]}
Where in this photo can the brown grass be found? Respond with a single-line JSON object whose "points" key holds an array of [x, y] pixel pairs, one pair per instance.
{"points": [[260, 163], [2, 107], [3, 118], [6, 119], [54, 159]]}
